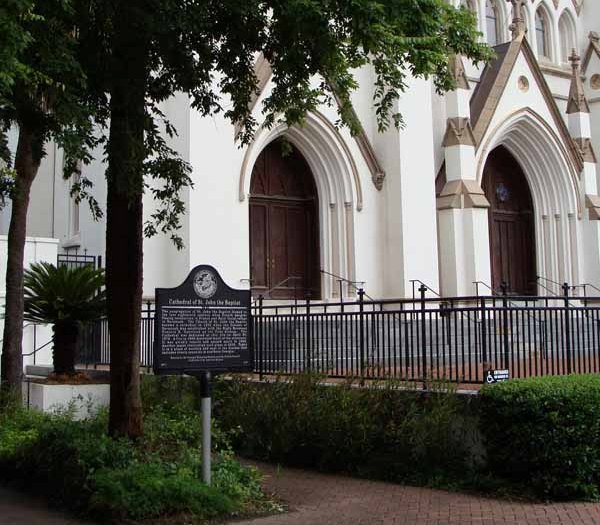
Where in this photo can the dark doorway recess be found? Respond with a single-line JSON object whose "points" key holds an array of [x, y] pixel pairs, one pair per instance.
{"points": [[284, 225], [512, 231]]}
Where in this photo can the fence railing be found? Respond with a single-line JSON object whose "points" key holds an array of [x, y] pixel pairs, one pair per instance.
{"points": [[75, 260], [456, 339]]}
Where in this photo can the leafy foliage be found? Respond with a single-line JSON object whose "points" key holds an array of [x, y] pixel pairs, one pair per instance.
{"points": [[80, 467], [14, 38], [208, 50], [544, 433], [68, 298], [63, 293], [43, 87], [381, 431]]}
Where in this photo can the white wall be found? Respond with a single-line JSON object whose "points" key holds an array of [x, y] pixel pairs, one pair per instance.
{"points": [[164, 265], [37, 249]]}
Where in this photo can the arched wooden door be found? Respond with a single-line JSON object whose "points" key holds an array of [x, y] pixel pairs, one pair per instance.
{"points": [[512, 231], [284, 241]]}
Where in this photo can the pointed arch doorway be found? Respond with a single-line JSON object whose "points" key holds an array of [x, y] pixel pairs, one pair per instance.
{"points": [[511, 224], [284, 225]]}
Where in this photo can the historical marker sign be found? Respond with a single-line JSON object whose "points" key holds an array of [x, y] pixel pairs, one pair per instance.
{"points": [[202, 325]]}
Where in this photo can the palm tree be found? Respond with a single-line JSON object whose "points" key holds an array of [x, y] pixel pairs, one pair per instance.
{"points": [[67, 298]]}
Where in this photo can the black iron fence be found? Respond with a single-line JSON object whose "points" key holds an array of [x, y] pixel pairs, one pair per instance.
{"points": [[75, 260], [457, 339]]}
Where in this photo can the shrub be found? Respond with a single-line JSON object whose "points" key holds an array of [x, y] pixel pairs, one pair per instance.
{"points": [[76, 464], [142, 490], [545, 433], [68, 298], [381, 431]]}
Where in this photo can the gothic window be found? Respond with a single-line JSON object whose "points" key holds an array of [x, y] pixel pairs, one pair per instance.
{"points": [[542, 33], [492, 23], [568, 41], [74, 226]]}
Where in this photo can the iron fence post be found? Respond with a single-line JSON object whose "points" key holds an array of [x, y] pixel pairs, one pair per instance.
{"points": [[260, 337], [148, 349], [34, 343], [504, 290], [565, 290], [361, 331], [308, 364], [484, 356], [422, 291]]}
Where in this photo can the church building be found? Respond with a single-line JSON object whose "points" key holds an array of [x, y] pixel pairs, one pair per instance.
{"points": [[492, 185]]}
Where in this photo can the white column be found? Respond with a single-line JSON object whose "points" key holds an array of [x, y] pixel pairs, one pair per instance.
{"points": [[462, 206], [578, 111]]}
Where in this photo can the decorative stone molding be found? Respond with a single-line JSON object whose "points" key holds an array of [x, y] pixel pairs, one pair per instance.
{"points": [[523, 84], [593, 48], [592, 203], [366, 148], [487, 96], [263, 72], [378, 179], [578, 4], [459, 133], [587, 150], [577, 101], [517, 27], [462, 194], [457, 67]]}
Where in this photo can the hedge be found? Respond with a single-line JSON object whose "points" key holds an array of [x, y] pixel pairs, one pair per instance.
{"points": [[545, 433], [382, 430]]}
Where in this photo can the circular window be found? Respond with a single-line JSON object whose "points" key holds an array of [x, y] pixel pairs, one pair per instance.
{"points": [[595, 81], [523, 84]]}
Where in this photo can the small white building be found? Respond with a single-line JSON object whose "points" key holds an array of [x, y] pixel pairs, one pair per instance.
{"points": [[495, 181]]}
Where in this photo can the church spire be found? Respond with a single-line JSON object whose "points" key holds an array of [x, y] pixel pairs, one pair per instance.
{"points": [[517, 27], [577, 101]]}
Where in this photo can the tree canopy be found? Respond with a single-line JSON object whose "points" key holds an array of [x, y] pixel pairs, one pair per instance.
{"points": [[91, 59], [208, 50]]}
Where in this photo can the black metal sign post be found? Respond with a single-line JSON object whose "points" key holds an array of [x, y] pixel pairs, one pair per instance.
{"points": [[202, 327]]}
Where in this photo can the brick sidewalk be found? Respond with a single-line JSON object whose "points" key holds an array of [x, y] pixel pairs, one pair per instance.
{"points": [[319, 499]]}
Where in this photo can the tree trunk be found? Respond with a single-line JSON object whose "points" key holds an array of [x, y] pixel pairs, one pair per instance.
{"points": [[27, 163], [124, 238], [66, 343]]}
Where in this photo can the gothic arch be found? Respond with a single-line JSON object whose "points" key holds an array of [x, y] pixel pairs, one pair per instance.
{"points": [[338, 187], [542, 14], [567, 30], [554, 186]]}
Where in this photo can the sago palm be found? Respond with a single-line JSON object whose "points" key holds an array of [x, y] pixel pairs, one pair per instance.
{"points": [[67, 298]]}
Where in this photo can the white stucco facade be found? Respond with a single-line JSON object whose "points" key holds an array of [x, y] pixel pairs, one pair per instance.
{"points": [[406, 205]]}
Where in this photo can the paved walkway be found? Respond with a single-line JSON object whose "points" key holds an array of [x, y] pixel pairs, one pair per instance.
{"points": [[319, 499]]}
